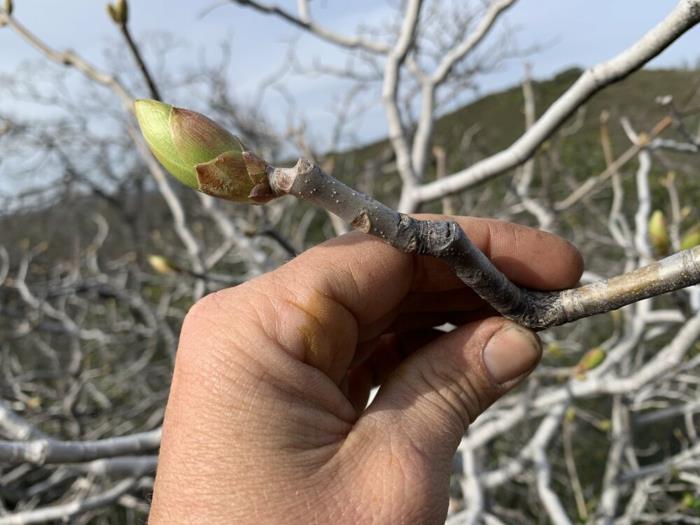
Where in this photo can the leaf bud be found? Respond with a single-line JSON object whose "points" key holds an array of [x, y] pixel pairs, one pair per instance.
{"points": [[570, 414], [658, 233], [554, 349], [8, 7], [201, 154], [119, 12], [590, 360], [691, 238], [691, 501], [604, 425], [161, 264]]}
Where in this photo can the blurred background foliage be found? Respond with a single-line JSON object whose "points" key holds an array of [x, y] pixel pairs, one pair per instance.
{"points": [[89, 322]]}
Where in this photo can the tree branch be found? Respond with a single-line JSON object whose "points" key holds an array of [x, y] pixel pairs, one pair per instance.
{"points": [[390, 93], [683, 17], [429, 85], [68, 510], [45, 451], [305, 23], [446, 240], [152, 88]]}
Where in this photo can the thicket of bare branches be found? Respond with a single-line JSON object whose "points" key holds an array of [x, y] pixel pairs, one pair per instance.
{"points": [[101, 256]]}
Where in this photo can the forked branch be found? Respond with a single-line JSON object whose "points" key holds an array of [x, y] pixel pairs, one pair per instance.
{"points": [[681, 19]]}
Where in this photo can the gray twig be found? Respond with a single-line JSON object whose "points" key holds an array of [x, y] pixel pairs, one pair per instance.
{"points": [[47, 450], [445, 240]]}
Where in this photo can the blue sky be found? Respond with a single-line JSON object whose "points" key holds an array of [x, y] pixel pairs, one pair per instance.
{"points": [[567, 32]]}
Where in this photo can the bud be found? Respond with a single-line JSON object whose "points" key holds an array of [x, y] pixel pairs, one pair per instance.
{"points": [[119, 12], [201, 154], [8, 7], [161, 265], [41, 247], [691, 238], [570, 414], [33, 402], [690, 501], [658, 233], [604, 425], [590, 360], [554, 349]]}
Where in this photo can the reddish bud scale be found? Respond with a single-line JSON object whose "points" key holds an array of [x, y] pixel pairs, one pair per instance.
{"points": [[202, 154]]}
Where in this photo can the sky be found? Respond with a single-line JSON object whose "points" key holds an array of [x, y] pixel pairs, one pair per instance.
{"points": [[565, 33]]}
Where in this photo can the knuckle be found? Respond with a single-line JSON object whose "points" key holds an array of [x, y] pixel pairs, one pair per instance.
{"points": [[205, 307], [206, 330]]}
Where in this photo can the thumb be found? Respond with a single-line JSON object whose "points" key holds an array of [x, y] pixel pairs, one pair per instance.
{"points": [[435, 394]]}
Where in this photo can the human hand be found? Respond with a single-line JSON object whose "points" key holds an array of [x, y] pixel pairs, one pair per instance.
{"points": [[266, 421]]}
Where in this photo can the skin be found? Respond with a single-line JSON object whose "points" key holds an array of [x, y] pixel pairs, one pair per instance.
{"points": [[266, 421]]}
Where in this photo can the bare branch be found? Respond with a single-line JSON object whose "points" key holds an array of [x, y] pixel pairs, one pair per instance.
{"points": [[16, 427], [304, 22], [447, 241], [429, 85], [684, 16], [588, 187], [390, 90], [68, 510], [45, 451], [68, 58], [495, 10], [136, 52]]}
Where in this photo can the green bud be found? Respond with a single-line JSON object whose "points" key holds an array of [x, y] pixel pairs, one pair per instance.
{"points": [[554, 349], [119, 12], [658, 233], [590, 360], [570, 414], [201, 154], [690, 501], [604, 425], [8, 7], [691, 238], [161, 264]]}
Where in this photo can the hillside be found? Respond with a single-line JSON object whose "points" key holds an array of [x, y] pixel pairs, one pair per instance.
{"points": [[499, 119]]}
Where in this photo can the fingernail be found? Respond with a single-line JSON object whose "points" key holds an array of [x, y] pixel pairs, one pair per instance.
{"points": [[511, 352]]}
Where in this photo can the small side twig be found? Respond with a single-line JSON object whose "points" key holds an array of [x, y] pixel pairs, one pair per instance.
{"points": [[612, 168], [136, 53], [65, 511], [570, 461], [445, 240]]}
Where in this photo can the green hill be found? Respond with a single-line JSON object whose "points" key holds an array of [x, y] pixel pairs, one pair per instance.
{"points": [[499, 115], [499, 118]]}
